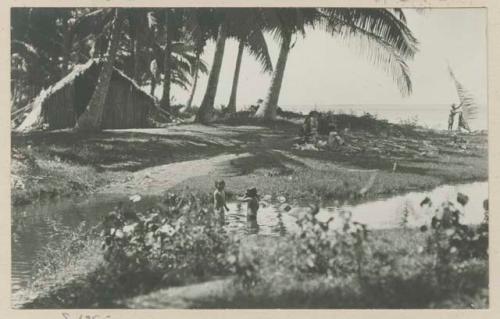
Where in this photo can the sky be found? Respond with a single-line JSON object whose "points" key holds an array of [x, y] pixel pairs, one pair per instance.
{"points": [[322, 70]]}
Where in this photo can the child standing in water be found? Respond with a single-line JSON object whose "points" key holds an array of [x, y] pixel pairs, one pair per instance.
{"points": [[220, 198], [252, 200]]}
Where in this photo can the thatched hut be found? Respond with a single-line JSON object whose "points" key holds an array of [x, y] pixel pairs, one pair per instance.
{"points": [[59, 106]]}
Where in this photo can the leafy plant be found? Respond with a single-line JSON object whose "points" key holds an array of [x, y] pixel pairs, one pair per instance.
{"points": [[178, 240], [454, 244]]}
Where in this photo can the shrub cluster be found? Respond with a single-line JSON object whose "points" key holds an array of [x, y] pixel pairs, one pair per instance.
{"points": [[426, 269], [177, 241]]}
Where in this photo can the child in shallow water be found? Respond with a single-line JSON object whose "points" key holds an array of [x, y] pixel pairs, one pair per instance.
{"points": [[252, 200], [220, 198]]}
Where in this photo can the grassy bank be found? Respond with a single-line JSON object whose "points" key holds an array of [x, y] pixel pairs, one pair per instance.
{"points": [[378, 159], [36, 176], [174, 241], [404, 158], [65, 163]]}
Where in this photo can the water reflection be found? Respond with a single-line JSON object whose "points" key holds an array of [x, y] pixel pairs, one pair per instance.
{"points": [[252, 227], [410, 209]]}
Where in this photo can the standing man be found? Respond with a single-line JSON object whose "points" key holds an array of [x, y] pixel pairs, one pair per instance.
{"points": [[451, 117]]}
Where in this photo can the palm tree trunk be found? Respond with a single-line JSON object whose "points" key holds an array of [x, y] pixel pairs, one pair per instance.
{"points": [[153, 86], [67, 43], [91, 119], [136, 60], [231, 105], [195, 81], [167, 64], [206, 111], [268, 110]]}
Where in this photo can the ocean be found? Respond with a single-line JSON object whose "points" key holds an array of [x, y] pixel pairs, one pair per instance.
{"points": [[434, 116]]}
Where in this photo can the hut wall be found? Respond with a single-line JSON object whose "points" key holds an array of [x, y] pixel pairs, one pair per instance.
{"points": [[58, 108], [85, 87], [125, 106]]}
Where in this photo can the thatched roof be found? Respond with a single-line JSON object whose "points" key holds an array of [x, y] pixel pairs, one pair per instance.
{"points": [[33, 118]]}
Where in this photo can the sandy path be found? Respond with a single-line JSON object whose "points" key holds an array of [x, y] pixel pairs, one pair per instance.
{"points": [[156, 180], [180, 297]]}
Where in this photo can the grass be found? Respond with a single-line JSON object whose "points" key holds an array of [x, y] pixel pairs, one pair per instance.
{"points": [[305, 184], [37, 177], [53, 164], [65, 163]]}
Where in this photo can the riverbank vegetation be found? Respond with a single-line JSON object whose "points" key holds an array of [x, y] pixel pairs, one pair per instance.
{"points": [[324, 264]]}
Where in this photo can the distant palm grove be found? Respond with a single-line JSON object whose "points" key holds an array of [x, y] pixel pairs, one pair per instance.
{"points": [[164, 47]]}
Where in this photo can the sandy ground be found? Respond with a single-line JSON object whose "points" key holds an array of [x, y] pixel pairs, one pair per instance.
{"points": [[156, 180], [183, 297]]}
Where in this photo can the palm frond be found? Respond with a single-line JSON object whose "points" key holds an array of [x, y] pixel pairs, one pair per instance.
{"points": [[384, 57], [378, 35], [377, 23], [399, 13], [179, 63], [180, 78], [23, 48], [203, 66], [257, 46], [92, 23], [467, 100]]}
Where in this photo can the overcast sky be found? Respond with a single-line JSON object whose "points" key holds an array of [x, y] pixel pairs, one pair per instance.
{"points": [[321, 70]]}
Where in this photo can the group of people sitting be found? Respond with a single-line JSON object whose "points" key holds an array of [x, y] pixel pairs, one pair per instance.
{"points": [[310, 130]]}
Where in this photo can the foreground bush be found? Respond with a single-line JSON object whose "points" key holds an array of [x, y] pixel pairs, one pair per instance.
{"points": [[340, 264], [170, 244], [176, 242], [336, 263]]}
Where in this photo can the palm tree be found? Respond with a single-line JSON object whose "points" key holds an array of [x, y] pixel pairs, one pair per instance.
{"points": [[194, 75], [247, 27], [140, 37], [175, 54], [37, 48], [380, 34], [171, 24], [206, 111], [231, 105], [201, 28], [91, 119], [284, 23], [197, 66]]}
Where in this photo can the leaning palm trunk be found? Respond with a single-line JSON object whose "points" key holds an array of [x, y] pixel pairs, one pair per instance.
{"points": [[153, 86], [167, 66], [136, 60], [195, 81], [231, 106], [67, 43], [268, 110], [91, 119], [206, 111]]}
